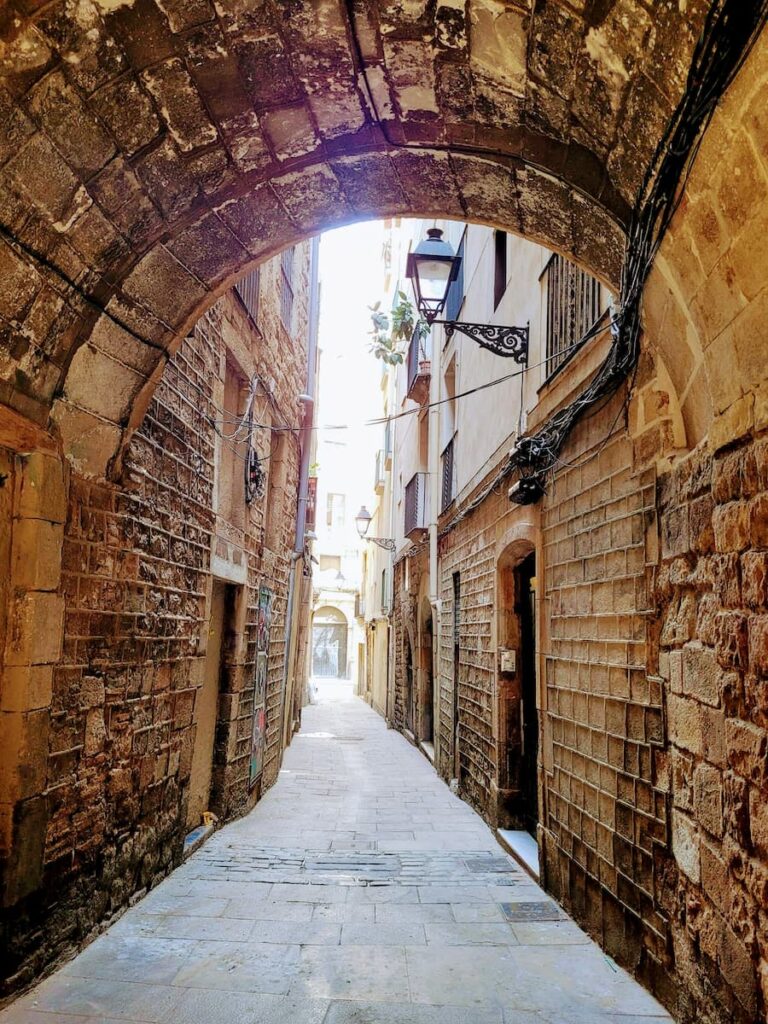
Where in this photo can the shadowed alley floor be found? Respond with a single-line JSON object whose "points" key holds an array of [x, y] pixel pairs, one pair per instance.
{"points": [[359, 891]]}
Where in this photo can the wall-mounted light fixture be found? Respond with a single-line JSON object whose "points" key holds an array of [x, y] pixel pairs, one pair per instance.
{"points": [[363, 522], [432, 268]]}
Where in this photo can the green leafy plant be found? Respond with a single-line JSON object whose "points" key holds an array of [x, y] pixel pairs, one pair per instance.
{"points": [[391, 333]]}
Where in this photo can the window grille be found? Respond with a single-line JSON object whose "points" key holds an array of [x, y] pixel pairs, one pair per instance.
{"points": [[415, 517], [573, 307], [247, 289], [286, 288], [447, 481]]}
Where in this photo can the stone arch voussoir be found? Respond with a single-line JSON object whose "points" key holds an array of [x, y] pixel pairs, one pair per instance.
{"points": [[116, 363]]}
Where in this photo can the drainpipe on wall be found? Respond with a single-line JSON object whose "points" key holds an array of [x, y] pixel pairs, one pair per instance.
{"points": [[434, 511], [309, 418], [295, 589], [391, 531], [292, 625]]}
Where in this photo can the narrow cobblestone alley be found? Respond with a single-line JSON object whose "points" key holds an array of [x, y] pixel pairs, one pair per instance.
{"points": [[359, 890]]}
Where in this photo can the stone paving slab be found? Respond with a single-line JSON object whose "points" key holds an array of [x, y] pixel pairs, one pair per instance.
{"points": [[359, 891]]}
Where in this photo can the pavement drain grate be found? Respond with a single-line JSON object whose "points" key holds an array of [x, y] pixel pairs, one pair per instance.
{"points": [[481, 865], [531, 912]]}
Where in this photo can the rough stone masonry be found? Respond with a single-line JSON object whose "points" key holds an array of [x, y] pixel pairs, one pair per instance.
{"points": [[150, 152], [108, 667]]}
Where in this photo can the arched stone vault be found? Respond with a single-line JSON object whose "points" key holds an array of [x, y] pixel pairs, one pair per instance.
{"points": [[174, 282], [705, 301], [151, 150]]}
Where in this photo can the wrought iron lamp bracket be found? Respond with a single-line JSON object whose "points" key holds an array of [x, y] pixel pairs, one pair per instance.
{"points": [[510, 342], [384, 542]]}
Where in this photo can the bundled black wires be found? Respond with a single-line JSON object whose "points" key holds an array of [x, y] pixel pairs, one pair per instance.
{"points": [[729, 33]]}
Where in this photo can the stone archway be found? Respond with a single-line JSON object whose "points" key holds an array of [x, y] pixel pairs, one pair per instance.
{"points": [[330, 642], [159, 151], [150, 153]]}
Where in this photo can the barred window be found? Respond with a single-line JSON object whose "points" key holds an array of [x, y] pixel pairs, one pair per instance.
{"points": [[286, 288], [447, 477], [247, 290], [573, 307]]}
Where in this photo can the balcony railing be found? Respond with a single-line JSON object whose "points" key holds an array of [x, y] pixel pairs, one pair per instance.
{"points": [[447, 477], [416, 505], [380, 479], [419, 369]]}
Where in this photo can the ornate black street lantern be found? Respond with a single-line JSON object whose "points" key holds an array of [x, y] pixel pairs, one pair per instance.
{"points": [[432, 268], [362, 522]]}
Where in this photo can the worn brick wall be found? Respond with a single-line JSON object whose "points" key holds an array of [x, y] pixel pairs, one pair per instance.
{"points": [[136, 578], [712, 593], [654, 729]]}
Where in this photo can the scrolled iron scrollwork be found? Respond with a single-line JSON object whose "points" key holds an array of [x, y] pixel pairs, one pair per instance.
{"points": [[510, 342]]}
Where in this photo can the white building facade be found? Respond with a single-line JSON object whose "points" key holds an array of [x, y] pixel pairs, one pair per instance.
{"points": [[463, 677]]}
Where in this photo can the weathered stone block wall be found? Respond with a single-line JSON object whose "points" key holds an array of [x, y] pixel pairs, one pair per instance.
{"points": [[712, 593], [470, 550], [605, 815], [33, 510], [604, 822], [654, 730], [404, 618], [135, 590]]}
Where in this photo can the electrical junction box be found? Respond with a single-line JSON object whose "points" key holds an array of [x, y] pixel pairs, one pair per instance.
{"points": [[508, 661]]}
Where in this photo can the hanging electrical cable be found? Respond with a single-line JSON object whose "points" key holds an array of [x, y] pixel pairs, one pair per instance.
{"points": [[729, 32]]}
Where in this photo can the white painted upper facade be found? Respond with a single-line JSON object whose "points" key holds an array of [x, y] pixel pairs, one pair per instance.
{"points": [[484, 424]]}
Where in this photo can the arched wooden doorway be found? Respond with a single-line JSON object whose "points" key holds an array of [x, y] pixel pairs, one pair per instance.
{"points": [[517, 711]]}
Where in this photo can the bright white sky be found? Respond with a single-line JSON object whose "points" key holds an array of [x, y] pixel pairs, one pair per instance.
{"points": [[351, 280]]}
